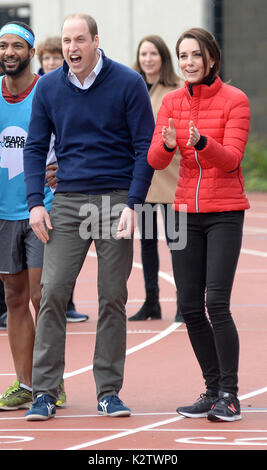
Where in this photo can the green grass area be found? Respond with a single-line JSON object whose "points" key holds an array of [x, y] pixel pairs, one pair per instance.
{"points": [[254, 166]]}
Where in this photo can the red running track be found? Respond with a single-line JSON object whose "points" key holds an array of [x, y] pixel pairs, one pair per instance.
{"points": [[161, 371]]}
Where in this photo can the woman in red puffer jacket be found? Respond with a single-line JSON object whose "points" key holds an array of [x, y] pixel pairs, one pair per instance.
{"points": [[209, 121]]}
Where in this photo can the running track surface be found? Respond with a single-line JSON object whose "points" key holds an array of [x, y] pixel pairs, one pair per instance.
{"points": [[161, 371]]}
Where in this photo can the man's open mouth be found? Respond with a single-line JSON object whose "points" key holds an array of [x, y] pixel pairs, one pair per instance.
{"points": [[75, 59]]}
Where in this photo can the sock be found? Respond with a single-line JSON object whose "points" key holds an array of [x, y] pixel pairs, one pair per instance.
{"points": [[25, 386]]}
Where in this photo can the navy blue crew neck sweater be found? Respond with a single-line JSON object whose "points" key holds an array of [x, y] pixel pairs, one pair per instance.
{"points": [[102, 134]]}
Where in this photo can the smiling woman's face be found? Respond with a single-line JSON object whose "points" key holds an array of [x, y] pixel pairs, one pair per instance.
{"points": [[150, 60], [191, 61]]}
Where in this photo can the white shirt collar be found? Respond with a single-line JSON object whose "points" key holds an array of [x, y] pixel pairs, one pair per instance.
{"points": [[90, 78]]}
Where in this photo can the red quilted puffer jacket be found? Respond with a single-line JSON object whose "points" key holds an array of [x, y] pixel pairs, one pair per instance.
{"points": [[210, 180]]}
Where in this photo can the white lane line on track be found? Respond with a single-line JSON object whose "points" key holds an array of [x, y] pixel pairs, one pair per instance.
{"points": [[162, 274], [156, 338], [150, 426], [125, 433], [165, 332], [247, 251], [44, 430], [253, 394], [144, 344], [254, 230]]}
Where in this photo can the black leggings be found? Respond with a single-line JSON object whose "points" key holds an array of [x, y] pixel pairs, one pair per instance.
{"points": [[148, 226], [204, 274]]}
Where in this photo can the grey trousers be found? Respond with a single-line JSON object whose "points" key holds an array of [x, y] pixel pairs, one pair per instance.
{"points": [[78, 220]]}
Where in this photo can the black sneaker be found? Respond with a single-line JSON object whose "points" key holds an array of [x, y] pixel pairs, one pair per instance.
{"points": [[199, 409], [226, 408], [3, 321]]}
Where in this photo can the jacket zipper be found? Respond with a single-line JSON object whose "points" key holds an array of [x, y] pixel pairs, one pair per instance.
{"points": [[198, 183]]}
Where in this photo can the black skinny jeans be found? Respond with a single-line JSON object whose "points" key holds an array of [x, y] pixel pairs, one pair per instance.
{"points": [[204, 274]]}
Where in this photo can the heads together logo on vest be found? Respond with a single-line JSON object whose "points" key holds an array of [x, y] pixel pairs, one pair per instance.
{"points": [[19, 31], [12, 140]]}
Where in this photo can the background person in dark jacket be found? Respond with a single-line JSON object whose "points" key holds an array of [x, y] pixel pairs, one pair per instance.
{"points": [[154, 63]]}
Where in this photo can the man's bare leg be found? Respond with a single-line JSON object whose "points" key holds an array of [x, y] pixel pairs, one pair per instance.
{"points": [[20, 324], [35, 289]]}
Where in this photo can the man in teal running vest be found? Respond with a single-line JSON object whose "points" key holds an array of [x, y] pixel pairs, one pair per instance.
{"points": [[21, 252]]}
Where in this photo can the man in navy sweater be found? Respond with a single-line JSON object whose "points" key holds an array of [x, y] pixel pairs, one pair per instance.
{"points": [[100, 113]]}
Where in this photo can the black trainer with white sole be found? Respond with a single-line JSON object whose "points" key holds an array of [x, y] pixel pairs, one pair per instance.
{"points": [[226, 408], [199, 409]]}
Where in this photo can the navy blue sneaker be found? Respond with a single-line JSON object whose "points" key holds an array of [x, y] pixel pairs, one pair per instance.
{"points": [[74, 317], [42, 408], [111, 405]]}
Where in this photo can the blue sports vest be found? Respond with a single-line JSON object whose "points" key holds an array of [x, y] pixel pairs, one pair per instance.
{"points": [[14, 123]]}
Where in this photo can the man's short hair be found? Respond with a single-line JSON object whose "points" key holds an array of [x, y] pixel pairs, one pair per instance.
{"points": [[91, 23]]}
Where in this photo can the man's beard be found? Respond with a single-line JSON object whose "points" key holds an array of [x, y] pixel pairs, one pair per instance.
{"points": [[21, 66]]}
